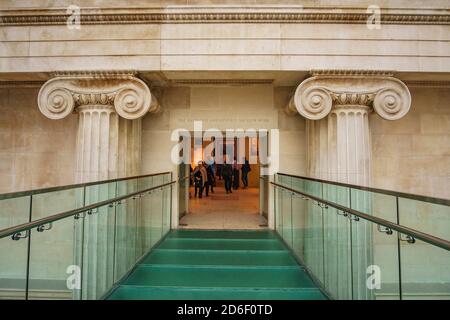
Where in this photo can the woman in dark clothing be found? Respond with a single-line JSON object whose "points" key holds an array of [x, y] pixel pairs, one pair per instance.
{"points": [[236, 168], [227, 172], [210, 178], [245, 170], [200, 179]]}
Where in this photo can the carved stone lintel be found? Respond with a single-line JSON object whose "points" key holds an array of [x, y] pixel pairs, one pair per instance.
{"points": [[315, 97], [129, 95]]}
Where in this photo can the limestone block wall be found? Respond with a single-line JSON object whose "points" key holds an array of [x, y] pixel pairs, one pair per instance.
{"points": [[292, 135], [413, 153], [35, 152]]}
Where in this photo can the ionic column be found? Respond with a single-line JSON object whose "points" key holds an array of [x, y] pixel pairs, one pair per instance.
{"points": [[110, 106], [337, 105]]}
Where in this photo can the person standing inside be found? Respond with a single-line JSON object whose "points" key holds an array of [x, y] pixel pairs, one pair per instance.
{"points": [[200, 178], [227, 172], [210, 178], [211, 169], [245, 170], [236, 168]]}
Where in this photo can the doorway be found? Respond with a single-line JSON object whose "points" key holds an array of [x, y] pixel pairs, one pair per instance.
{"points": [[215, 208]]}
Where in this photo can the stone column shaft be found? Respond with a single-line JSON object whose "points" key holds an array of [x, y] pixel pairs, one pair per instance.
{"points": [[97, 143], [339, 146]]}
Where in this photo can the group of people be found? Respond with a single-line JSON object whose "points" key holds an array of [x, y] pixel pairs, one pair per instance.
{"points": [[204, 176]]}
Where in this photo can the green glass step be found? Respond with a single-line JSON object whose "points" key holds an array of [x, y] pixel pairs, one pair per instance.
{"points": [[220, 257], [173, 276], [219, 264], [223, 234], [159, 293], [221, 244]]}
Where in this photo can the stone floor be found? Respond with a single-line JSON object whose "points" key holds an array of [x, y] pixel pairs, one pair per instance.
{"points": [[239, 210]]}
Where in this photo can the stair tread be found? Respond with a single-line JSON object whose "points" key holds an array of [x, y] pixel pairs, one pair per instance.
{"points": [[226, 234], [222, 244], [127, 292], [220, 257], [219, 277]]}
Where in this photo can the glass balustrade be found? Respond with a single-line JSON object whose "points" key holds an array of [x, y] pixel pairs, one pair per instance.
{"points": [[356, 243], [358, 254], [91, 237]]}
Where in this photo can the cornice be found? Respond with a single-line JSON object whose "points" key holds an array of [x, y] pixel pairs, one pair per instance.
{"points": [[353, 73], [180, 14], [96, 74]]}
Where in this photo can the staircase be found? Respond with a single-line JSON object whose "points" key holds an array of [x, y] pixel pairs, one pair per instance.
{"points": [[234, 265]]}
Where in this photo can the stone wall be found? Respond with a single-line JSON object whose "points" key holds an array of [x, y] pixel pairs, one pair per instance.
{"points": [[35, 152], [413, 154]]}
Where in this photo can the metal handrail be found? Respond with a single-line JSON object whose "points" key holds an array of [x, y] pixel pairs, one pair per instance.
{"points": [[442, 243], [19, 194], [434, 200], [36, 223]]}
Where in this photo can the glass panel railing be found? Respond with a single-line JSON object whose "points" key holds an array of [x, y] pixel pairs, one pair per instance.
{"points": [[166, 205], [373, 247], [13, 268], [277, 204], [53, 254], [314, 235], [426, 217], [264, 196], [375, 269], [299, 222], [98, 252], [359, 243], [14, 254], [424, 267], [183, 190], [145, 217], [424, 271], [126, 235], [286, 210], [155, 211], [375, 204], [93, 237], [337, 251], [15, 211], [47, 204]]}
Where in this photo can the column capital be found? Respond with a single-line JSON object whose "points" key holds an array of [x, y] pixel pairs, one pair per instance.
{"points": [[68, 91], [316, 96]]}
